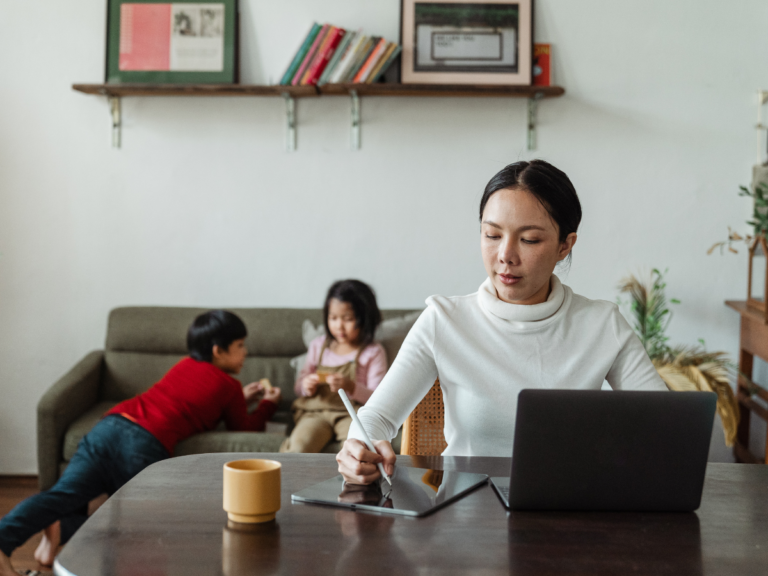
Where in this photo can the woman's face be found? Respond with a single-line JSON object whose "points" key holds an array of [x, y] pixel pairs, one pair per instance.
{"points": [[520, 245]]}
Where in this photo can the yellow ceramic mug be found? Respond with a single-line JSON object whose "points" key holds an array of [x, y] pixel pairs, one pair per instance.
{"points": [[251, 490]]}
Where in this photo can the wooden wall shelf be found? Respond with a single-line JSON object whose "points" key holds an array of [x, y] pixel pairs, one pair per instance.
{"points": [[119, 90], [114, 92]]}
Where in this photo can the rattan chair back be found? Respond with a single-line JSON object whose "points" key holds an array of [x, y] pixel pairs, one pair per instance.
{"points": [[423, 433]]}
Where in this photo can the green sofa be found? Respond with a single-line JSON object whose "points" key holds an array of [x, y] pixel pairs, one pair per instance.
{"points": [[142, 344]]}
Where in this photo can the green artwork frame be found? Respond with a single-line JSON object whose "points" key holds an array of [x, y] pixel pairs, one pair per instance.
{"points": [[227, 55]]}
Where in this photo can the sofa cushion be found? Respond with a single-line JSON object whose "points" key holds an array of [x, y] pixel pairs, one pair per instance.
{"points": [[163, 329], [144, 342], [127, 374], [82, 426]]}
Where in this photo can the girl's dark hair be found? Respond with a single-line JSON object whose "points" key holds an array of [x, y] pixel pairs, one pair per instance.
{"points": [[215, 328], [551, 187], [363, 301]]}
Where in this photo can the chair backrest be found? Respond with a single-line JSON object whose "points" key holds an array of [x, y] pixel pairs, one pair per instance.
{"points": [[423, 433]]}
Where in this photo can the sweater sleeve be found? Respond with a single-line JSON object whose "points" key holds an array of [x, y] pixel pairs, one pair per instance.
{"points": [[376, 369], [409, 379], [236, 415], [632, 369]]}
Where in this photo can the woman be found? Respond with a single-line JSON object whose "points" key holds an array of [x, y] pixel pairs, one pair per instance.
{"points": [[521, 329]]}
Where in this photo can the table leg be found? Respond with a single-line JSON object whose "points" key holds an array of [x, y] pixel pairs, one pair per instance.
{"points": [[746, 361]]}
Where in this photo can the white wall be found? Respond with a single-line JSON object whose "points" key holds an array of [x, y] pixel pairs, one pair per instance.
{"points": [[202, 206]]}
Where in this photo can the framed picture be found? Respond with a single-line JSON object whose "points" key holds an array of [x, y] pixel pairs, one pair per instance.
{"points": [[162, 41], [467, 41]]}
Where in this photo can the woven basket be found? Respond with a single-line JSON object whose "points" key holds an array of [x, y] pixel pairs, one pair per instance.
{"points": [[423, 430]]}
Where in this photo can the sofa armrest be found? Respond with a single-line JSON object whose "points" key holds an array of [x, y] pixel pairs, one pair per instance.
{"points": [[62, 404]]}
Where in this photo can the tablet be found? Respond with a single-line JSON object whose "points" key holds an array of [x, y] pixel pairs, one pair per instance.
{"points": [[414, 491]]}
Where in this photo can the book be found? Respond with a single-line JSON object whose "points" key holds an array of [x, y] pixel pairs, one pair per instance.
{"points": [[542, 65], [386, 65], [338, 54], [310, 55], [345, 63], [300, 54], [361, 57], [371, 61], [391, 46], [325, 55], [320, 50]]}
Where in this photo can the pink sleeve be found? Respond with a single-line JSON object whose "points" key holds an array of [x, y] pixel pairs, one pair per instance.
{"points": [[310, 364], [377, 367]]}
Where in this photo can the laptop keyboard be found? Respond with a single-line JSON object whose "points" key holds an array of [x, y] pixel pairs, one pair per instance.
{"points": [[504, 490]]}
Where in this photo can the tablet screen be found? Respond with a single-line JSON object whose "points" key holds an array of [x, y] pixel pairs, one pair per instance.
{"points": [[414, 491]]}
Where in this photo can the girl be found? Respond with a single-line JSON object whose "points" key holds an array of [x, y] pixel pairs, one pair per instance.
{"points": [[345, 358], [521, 329]]}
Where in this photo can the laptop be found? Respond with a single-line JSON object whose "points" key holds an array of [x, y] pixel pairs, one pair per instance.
{"points": [[609, 450]]}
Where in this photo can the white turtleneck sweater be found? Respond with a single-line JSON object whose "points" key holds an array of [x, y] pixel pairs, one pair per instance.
{"points": [[485, 351]]}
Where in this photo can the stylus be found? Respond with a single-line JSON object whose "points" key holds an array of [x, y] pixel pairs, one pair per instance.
{"points": [[366, 439]]}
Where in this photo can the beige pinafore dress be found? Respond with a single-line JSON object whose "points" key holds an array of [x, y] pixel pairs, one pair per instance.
{"points": [[324, 410]]}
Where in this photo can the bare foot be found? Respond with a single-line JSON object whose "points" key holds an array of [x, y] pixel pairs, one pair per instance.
{"points": [[5, 566], [49, 545]]}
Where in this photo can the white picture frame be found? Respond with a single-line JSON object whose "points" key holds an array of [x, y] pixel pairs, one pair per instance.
{"points": [[467, 42]]}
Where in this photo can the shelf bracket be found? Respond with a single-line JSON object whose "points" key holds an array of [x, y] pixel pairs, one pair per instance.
{"points": [[117, 119], [533, 107], [355, 110], [290, 122]]}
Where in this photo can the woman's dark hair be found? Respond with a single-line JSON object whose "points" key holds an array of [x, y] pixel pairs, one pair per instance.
{"points": [[363, 301], [215, 328], [551, 187]]}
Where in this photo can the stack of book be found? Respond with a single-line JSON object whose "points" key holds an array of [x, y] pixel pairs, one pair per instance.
{"points": [[331, 55]]}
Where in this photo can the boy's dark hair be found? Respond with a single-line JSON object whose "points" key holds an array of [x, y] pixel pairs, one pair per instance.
{"points": [[215, 328], [362, 298]]}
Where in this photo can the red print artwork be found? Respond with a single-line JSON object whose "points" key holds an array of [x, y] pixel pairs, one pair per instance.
{"points": [[145, 37]]}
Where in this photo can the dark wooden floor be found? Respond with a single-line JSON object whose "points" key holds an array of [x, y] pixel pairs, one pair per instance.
{"points": [[14, 489]]}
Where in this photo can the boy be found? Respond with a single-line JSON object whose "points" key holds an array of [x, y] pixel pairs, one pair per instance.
{"points": [[192, 397]]}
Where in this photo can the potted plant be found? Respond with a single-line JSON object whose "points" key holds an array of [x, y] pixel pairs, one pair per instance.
{"points": [[683, 368]]}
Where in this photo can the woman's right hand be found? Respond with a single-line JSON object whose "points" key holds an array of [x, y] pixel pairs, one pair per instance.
{"points": [[357, 464], [309, 384]]}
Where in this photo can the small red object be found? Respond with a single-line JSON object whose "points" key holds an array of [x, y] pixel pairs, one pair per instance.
{"points": [[542, 70]]}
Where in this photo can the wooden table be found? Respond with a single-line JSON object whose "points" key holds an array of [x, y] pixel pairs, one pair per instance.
{"points": [[753, 341], [168, 521]]}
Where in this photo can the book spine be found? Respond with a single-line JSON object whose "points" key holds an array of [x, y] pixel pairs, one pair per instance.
{"points": [[366, 68], [347, 60], [380, 62], [320, 51], [365, 51], [338, 54], [325, 56], [300, 54], [310, 55], [542, 65], [392, 58]]}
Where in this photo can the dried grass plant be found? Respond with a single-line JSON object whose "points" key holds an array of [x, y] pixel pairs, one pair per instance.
{"points": [[683, 368]]}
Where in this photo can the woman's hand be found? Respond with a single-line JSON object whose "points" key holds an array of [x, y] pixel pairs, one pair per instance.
{"points": [[338, 382], [357, 464], [309, 384]]}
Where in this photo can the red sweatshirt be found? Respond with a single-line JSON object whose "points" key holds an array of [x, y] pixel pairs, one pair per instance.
{"points": [[192, 397]]}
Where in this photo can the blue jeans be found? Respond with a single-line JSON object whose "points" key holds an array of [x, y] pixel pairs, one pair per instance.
{"points": [[106, 458]]}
